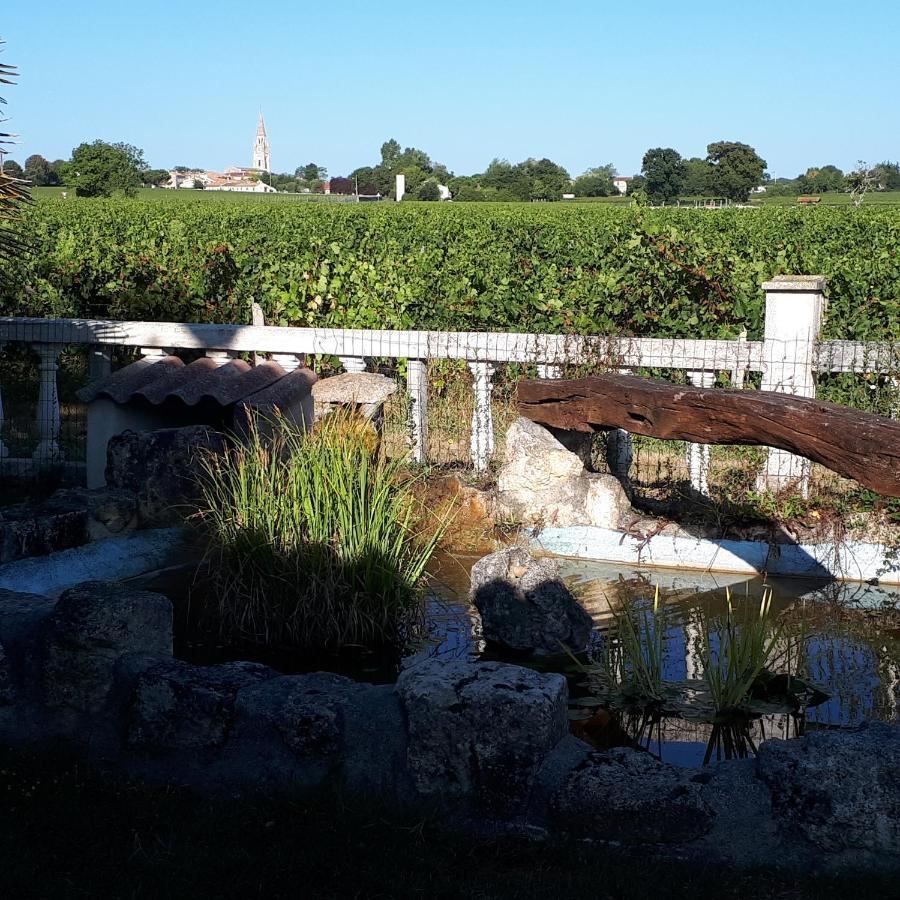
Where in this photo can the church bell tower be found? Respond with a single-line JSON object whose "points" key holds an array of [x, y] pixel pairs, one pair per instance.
{"points": [[261, 158]]}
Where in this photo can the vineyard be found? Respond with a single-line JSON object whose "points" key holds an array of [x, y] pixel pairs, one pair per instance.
{"points": [[586, 268]]}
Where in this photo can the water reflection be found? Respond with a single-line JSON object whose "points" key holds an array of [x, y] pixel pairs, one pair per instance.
{"points": [[850, 634]]}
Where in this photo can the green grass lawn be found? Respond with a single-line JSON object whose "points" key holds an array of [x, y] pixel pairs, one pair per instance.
{"points": [[71, 833]]}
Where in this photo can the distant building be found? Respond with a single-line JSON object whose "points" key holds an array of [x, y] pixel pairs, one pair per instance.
{"points": [[237, 179], [620, 183]]}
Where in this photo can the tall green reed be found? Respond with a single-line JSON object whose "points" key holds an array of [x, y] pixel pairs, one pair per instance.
{"points": [[314, 539]]}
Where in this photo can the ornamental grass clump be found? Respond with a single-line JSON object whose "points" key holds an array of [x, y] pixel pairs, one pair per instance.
{"points": [[315, 539]]}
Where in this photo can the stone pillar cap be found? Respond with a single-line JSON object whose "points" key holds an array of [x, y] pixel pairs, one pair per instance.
{"points": [[791, 283]]}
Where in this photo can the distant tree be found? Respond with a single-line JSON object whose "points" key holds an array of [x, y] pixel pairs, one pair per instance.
{"points": [[390, 153], [888, 176], [100, 168], [429, 190], [155, 177], [199, 185], [596, 182], [39, 172], [665, 172], [737, 169], [638, 184], [60, 168], [12, 169], [183, 170], [697, 178], [860, 181], [310, 172], [820, 181], [341, 185]]}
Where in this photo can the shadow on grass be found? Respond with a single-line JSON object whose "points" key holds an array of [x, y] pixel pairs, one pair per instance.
{"points": [[70, 832]]}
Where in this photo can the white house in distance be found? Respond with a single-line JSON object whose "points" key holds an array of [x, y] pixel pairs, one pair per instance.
{"points": [[236, 179], [620, 183]]}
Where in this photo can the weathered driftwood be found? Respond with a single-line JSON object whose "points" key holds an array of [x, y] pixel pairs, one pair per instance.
{"points": [[855, 444]]}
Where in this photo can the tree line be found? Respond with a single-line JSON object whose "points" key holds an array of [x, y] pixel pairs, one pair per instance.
{"points": [[729, 170]]}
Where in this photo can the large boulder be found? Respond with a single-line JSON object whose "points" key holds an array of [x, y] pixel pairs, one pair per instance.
{"points": [[524, 605], [37, 529], [840, 790], [177, 707], [92, 626], [162, 468], [479, 732], [629, 796], [543, 483]]}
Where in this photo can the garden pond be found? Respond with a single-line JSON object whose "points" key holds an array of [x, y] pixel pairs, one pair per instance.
{"points": [[841, 641]]}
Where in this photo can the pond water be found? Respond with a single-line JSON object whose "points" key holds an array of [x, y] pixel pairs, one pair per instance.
{"points": [[850, 634]]}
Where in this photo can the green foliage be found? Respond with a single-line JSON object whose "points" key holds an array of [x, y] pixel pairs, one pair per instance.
{"points": [[596, 182], [821, 180], [14, 195], [665, 172], [582, 268], [737, 169], [429, 190], [100, 169], [315, 540]]}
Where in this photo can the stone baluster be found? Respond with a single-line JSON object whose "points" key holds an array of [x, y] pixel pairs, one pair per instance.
{"points": [[548, 370], [99, 362], [482, 440], [4, 450], [48, 449], [353, 364], [698, 454], [221, 357], [620, 450], [417, 387], [289, 361]]}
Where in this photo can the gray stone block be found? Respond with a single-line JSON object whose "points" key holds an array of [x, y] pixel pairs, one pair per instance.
{"points": [[479, 732]]}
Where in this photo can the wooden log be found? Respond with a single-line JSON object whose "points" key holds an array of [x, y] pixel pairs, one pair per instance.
{"points": [[852, 443]]}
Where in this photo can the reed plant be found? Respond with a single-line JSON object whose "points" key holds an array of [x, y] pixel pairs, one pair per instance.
{"points": [[314, 539], [736, 649]]}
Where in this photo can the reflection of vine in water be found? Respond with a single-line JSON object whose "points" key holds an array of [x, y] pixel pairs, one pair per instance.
{"points": [[750, 667]]}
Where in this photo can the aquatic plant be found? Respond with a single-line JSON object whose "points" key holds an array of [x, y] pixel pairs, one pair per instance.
{"points": [[314, 539], [736, 649]]}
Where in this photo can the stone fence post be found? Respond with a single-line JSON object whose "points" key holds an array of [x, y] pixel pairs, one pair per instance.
{"points": [[795, 308]]}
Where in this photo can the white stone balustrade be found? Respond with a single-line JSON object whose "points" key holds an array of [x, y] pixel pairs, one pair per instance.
{"points": [[788, 358]]}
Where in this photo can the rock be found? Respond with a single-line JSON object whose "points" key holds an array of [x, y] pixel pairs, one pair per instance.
{"points": [[176, 706], [37, 529], [21, 617], [292, 726], [479, 732], [366, 392], [91, 627], [629, 796], [109, 510], [543, 483], [162, 469], [524, 605], [838, 789]]}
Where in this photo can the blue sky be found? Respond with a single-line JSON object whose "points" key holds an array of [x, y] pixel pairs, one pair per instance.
{"points": [[584, 83]]}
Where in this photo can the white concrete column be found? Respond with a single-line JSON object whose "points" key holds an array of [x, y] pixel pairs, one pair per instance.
{"points": [[4, 450], [400, 186], [288, 361], [698, 454], [353, 363], [417, 387], [795, 307], [48, 449], [619, 449], [482, 440]]}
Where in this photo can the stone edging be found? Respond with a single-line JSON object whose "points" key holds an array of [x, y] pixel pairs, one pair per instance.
{"points": [[487, 741]]}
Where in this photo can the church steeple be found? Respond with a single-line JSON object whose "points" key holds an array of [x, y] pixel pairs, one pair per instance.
{"points": [[261, 159]]}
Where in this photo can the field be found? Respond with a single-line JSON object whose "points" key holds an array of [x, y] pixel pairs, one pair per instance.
{"points": [[580, 267]]}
